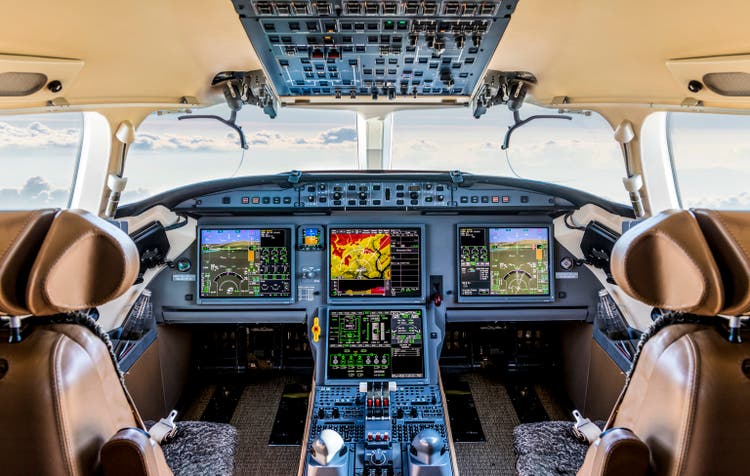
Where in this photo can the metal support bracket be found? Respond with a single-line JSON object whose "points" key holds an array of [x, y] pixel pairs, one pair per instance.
{"points": [[501, 87]]}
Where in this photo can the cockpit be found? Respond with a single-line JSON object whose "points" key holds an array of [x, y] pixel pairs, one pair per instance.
{"points": [[389, 238]]}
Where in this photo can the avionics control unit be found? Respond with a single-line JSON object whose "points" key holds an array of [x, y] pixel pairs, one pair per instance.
{"points": [[378, 408]]}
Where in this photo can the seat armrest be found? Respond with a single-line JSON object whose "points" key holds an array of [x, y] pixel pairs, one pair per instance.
{"points": [[617, 452], [132, 452]]}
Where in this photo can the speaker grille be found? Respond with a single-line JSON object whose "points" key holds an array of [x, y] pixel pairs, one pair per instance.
{"points": [[728, 84], [21, 84]]}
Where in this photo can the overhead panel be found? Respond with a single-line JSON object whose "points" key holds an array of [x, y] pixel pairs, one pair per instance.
{"points": [[381, 49]]}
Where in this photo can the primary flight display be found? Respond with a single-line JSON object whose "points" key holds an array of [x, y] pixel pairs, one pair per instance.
{"points": [[504, 261], [245, 263], [375, 262]]}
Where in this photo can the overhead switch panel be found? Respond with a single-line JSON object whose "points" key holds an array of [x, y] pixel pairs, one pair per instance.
{"points": [[345, 49]]}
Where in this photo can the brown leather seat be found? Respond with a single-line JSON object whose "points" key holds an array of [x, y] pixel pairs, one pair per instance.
{"points": [[688, 393], [61, 397]]}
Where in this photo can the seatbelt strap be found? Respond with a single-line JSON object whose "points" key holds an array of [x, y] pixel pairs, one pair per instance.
{"points": [[165, 429], [584, 429]]}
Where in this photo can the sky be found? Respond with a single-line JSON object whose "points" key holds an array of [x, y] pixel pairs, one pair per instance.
{"points": [[38, 153]]}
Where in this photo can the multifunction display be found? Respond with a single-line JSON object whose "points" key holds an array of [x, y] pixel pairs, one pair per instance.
{"points": [[504, 261], [375, 262], [245, 263], [375, 344]]}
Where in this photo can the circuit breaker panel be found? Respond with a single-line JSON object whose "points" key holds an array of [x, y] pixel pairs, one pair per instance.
{"points": [[346, 49]]}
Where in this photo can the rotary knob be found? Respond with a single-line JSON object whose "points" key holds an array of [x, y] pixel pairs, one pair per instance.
{"points": [[378, 458]]}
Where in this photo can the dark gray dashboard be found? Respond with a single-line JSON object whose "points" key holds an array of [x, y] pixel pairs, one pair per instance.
{"points": [[437, 202]]}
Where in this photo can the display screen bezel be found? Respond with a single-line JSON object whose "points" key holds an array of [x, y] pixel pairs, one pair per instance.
{"points": [[521, 298], [425, 343], [291, 232], [377, 299]]}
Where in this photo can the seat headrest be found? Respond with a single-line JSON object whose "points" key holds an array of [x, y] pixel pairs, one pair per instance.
{"points": [[61, 261], [666, 262], [21, 235], [84, 262], [728, 236]]}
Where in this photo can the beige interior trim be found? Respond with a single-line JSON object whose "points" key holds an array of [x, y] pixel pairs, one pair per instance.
{"points": [[151, 51]]}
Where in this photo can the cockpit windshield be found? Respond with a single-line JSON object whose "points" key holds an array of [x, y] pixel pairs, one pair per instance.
{"points": [[169, 153], [579, 153]]}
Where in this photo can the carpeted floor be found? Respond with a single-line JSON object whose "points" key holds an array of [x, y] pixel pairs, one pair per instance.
{"points": [[495, 457], [254, 418]]}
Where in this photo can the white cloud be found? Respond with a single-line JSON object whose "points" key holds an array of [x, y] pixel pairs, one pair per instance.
{"points": [[740, 201], [35, 193], [230, 140], [36, 134], [168, 141]]}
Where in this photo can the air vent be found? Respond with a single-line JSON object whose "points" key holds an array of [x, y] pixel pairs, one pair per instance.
{"points": [[728, 84], [15, 84]]}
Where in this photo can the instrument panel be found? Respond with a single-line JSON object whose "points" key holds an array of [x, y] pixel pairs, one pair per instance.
{"points": [[474, 249], [395, 195], [350, 48]]}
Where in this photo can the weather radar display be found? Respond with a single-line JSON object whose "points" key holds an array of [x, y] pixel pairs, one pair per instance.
{"points": [[504, 261], [375, 262], [245, 263]]}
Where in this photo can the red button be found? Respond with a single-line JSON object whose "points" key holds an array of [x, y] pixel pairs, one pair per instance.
{"points": [[369, 402], [385, 437], [377, 436], [369, 437], [377, 402], [385, 402]]}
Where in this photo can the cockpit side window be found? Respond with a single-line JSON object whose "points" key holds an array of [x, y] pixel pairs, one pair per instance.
{"points": [[39, 157], [710, 159], [169, 152], [580, 153]]}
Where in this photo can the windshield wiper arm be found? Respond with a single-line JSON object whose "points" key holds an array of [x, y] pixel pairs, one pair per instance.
{"points": [[231, 122], [518, 122]]}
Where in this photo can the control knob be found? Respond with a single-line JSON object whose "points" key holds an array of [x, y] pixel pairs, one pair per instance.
{"points": [[378, 458], [337, 195]]}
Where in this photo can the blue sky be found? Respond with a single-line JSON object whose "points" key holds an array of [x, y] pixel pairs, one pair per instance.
{"points": [[38, 153]]}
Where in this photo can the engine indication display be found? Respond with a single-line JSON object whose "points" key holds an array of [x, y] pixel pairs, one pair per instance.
{"points": [[375, 344], [504, 261], [375, 262], [245, 263]]}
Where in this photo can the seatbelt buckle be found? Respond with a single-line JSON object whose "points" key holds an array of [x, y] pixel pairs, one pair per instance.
{"points": [[165, 429], [584, 429]]}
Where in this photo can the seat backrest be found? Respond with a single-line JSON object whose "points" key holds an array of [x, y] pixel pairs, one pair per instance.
{"points": [[687, 395], [61, 396]]}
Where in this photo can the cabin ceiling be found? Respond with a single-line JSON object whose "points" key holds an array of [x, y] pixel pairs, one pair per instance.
{"points": [[156, 51]]}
